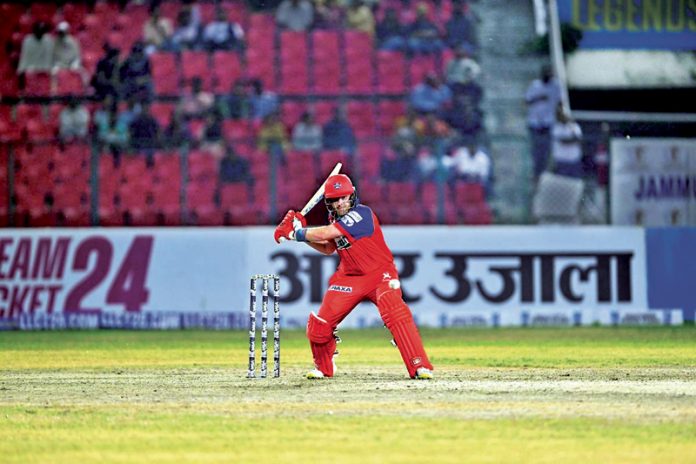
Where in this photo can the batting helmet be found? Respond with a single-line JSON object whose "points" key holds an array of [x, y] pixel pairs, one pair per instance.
{"points": [[337, 186]]}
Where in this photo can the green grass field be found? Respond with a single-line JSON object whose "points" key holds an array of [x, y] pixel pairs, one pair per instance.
{"points": [[500, 395]]}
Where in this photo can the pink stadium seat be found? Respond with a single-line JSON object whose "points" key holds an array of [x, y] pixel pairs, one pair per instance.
{"points": [[165, 73], [237, 130], [195, 64], [359, 75], [390, 72], [323, 111], [37, 84], [293, 45], [329, 158], [260, 64], [469, 193], [202, 166], [227, 69], [389, 112], [361, 116], [162, 112], [370, 158], [69, 82], [419, 67], [326, 62], [291, 112], [293, 63]]}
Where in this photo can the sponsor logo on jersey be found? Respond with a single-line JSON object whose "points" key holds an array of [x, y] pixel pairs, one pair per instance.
{"points": [[342, 243], [386, 276], [340, 288], [351, 218]]}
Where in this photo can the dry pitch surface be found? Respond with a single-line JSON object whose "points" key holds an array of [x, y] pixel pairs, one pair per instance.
{"points": [[534, 395]]}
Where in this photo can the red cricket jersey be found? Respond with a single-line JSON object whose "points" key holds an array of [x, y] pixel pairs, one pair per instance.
{"points": [[362, 248]]}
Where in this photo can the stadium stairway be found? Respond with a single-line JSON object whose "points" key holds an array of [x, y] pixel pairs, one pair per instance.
{"points": [[504, 28]]}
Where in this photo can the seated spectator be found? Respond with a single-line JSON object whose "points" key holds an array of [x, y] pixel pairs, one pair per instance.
{"points": [[187, 34], [460, 29], [263, 102], [359, 17], [295, 15], [272, 134], [144, 134], [222, 34], [391, 34], [306, 135], [73, 121], [66, 50], [337, 133], [37, 50], [135, 75], [430, 96], [105, 79], [212, 133], [470, 164], [177, 133], [235, 105], [327, 14], [462, 72], [196, 102], [399, 162], [429, 127], [566, 145], [464, 116], [130, 112], [111, 131], [157, 32], [423, 34], [233, 168], [426, 166]]}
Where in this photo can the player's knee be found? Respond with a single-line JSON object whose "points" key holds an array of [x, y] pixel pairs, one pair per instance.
{"points": [[392, 308], [318, 330]]}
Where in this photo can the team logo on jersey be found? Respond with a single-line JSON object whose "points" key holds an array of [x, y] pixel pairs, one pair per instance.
{"points": [[352, 218], [340, 288], [342, 243]]}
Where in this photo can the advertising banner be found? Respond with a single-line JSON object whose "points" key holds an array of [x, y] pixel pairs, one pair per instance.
{"points": [[653, 182], [162, 278]]}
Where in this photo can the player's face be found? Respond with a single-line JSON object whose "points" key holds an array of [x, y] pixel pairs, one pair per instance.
{"points": [[341, 205]]}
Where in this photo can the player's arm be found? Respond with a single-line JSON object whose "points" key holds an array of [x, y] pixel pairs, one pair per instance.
{"points": [[325, 248]]}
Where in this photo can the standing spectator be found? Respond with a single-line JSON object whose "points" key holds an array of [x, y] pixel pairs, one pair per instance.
{"points": [[105, 77], [66, 50], [73, 121], [423, 34], [235, 105], [144, 133], [359, 17], [306, 135], [37, 50], [135, 76], [430, 96], [542, 97], [391, 34], [460, 29], [234, 168], [272, 134], [462, 72], [470, 164], [295, 15], [263, 102], [337, 133], [222, 34], [157, 32], [197, 102], [566, 148], [187, 34]]}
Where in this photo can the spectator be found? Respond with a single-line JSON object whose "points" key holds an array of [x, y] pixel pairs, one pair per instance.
{"points": [[566, 148], [327, 14], [235, 105], [37, 50], [135, 76], [470, 164], [212, 133], [131, 111], [462, 72], [112, 132], [465, 116], [157, 32], [337, 133], [145, 134], [66, 50], [423, 34], [391, 34], [263, 102], [399, 162], [272, 134], [233, 168], [359, 17], [460, 29], [542, 97], [295, 15], [197, 102], [306, 135], [222, 34], [430, 127], [105, 78], [426, 166], [177, 133], [187, 33], [73, 121], [430, 96]]}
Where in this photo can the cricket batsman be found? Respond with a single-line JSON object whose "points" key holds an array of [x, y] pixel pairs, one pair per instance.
{"points": [[366, 271]]}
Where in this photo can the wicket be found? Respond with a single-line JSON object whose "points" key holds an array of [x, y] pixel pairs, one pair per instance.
{"points": [[265, 278]]}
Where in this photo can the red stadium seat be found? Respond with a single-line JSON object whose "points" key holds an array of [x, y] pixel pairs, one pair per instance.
{"points": [[361, 116], [370, 159], [202, 166], [326, 62], [419, 67], [195, 64], [162, 112], [329, 158], [390, 72], [227, 69], [469, 193], [389, 112], [69, 82], [291, 112], [165, 73], [238, 130], [260, 64], [37, 84]]}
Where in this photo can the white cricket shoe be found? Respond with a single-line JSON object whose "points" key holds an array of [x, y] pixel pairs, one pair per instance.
{"points": [[423, 373], [315, 374]]}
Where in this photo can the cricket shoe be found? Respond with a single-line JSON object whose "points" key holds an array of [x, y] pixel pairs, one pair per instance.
{"points": [[317, 374], [423, 373]]}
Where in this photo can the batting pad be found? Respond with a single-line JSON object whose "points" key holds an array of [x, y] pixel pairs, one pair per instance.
{"points": [[399, 321], [322, 342]]}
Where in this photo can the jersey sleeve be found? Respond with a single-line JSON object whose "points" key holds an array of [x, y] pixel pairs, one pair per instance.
{"points": [[357, 223]]}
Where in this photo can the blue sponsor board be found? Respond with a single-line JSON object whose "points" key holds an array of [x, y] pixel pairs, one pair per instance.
{"points": [[632, 24]]}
